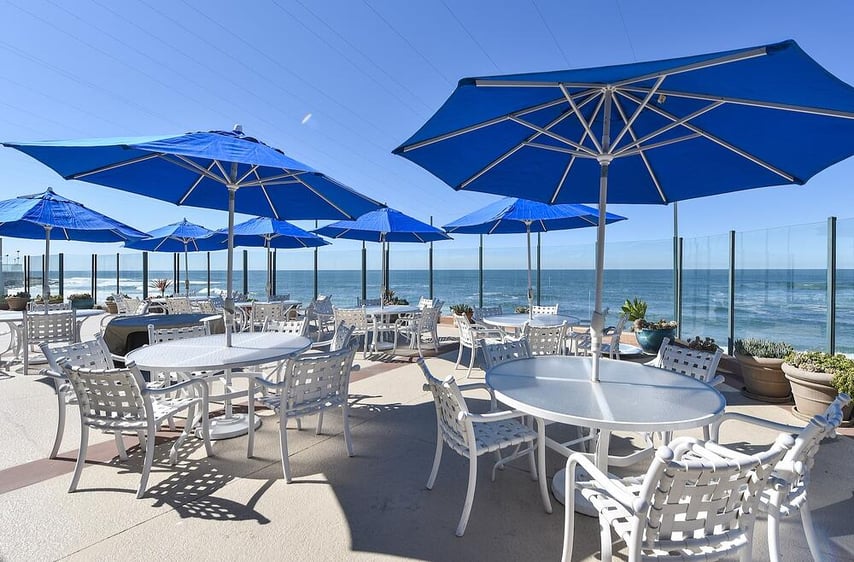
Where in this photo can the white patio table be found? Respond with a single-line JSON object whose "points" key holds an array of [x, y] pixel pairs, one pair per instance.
{"points": [[628, 397], [209, 353], [381, 315], [517, 321]]}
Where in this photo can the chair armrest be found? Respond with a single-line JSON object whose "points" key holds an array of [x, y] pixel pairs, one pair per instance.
{"points": [[484, 332], [493, 404], [767, 424], [53, 375], [179, 386], [615, 488], [500, 415]]}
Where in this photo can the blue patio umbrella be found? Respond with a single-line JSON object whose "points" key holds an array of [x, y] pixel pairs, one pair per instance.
{"points": [[214, 169], [384, 225], [649, 132], [182, 236], [49, 215], [272, 233], [513, 215]]}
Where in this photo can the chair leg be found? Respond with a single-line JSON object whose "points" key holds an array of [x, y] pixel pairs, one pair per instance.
{"points": [[345, 411], [437, 459], [150, 443], [188, 425], [774, 535], [471, 361], [283, 447], [459, 357], [120, 446], [60, 421], [541, 465], [250, 418], [604, 536], [464, 518], [81, 456], [809, 530], [319, 428]]}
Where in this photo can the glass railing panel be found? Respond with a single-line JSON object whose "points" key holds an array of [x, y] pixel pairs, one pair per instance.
{"points": [[845, 286], [781, 285], [705, 288], [455, 272], [505, 271]]}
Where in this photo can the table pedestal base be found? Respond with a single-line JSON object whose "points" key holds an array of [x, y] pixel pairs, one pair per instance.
{"points": [[226, 427], [582, 506]]}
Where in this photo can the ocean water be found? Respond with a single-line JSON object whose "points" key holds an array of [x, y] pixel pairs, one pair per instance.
{"points": [[780, 304]]}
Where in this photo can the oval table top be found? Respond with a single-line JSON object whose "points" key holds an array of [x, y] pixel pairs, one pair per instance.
{"points": [[18, 315], [518, 320], [629, 396], [210, 353]]}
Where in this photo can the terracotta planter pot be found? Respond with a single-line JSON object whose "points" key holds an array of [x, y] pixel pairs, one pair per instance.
{"points": [[4, 305], [17, 303], [764, 378], [813, 392], [112, 307], [80, 304]]}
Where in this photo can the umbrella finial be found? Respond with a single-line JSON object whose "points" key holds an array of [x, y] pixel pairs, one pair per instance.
{"points": [[238, 128]]}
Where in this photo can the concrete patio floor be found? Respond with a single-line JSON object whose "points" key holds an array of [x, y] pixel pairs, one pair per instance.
{"points": [[371, 506]]}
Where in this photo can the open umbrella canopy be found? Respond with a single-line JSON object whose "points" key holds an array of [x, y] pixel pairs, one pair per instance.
{"points": [[384, 225], [214, 169], [272, 233], [182, 236], [49, 215], [648, 132], [513, 215]]}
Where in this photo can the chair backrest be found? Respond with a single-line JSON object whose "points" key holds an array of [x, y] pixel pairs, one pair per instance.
{"points": [[317, 381], [272, 310], [791, 476], [615, 335], [322, 306], [56, 327], [93, 354], [424, 302], [498, 353], [546, 340], [429, 319], [480, 311], [451, 409], [466, 335], [368, 302], [698, 496], [129, 305], [218, 302], [297, 327], [178, 305], [341, 337], [355, 317], [107, 396], [203, 306], [544, 309], [34, 306], [159, 335], [701, 365], [285, 297]]}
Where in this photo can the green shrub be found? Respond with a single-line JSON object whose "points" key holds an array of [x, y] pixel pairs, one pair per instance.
{"points": [[840, 366], [766, 349], [461, 308], [634, 309]]}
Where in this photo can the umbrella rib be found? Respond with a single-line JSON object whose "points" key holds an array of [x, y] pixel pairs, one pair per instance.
{"points": [[275, 180], [571, 161], [196, 183], [252, 170], [265, 192], [580, 117], [109, 167], [527, 142], [637, 143], [752, 103], [562, 149], [744, 154], [638, 110], [562, 181], [642, 154], [482, 124], [326, 199], [555, 136]]}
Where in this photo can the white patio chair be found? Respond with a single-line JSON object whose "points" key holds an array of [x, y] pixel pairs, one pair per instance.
{"points": [[33, 306], [178, 305], [53, 328], [340, 339], [93, 354], [578, 343], [203, 306], [321, 312], [472, 435], [501, 352], [424, 302], [309, 384], [118, 400], [786, 493], [696, 501], [357, 318], [261, 312], [701, 365], [478, 312], [298, 327], [416, 326], [544, 309], [471, 337], [546, 340]]}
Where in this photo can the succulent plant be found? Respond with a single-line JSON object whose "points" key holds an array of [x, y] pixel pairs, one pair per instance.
{"points": [[767, 349], [634, 309], [840, 366]]}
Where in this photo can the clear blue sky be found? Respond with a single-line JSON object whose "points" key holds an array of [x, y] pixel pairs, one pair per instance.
{"points": [[339, 84]]}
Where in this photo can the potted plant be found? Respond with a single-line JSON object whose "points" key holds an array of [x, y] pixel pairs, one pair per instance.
{"points": [[3, 304], [81, 301], [110, 305], [53, 299], [521, 309], [816, 378], [651, 334], [390, 298], [760, 362], [634, 310], [463, 309], [18, 301], [161, 285]]}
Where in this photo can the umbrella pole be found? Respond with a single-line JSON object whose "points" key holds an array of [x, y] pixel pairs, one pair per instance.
{"points": [[382, 273], [597, 323], [45, 273], [186, 272], [269, 269], [229, 300], [530, 287]]}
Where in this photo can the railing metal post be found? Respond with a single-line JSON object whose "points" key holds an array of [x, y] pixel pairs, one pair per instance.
{"points": [[731, 305], [273, 273], [209, 273], [679, 257], [364, 271], [95, 277], [831, 285], [245, 272], [145, 275], [176, 273], [480, 272], [676, 266], [118, 284], [27, 273], [62, 274], [430, 264]]}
